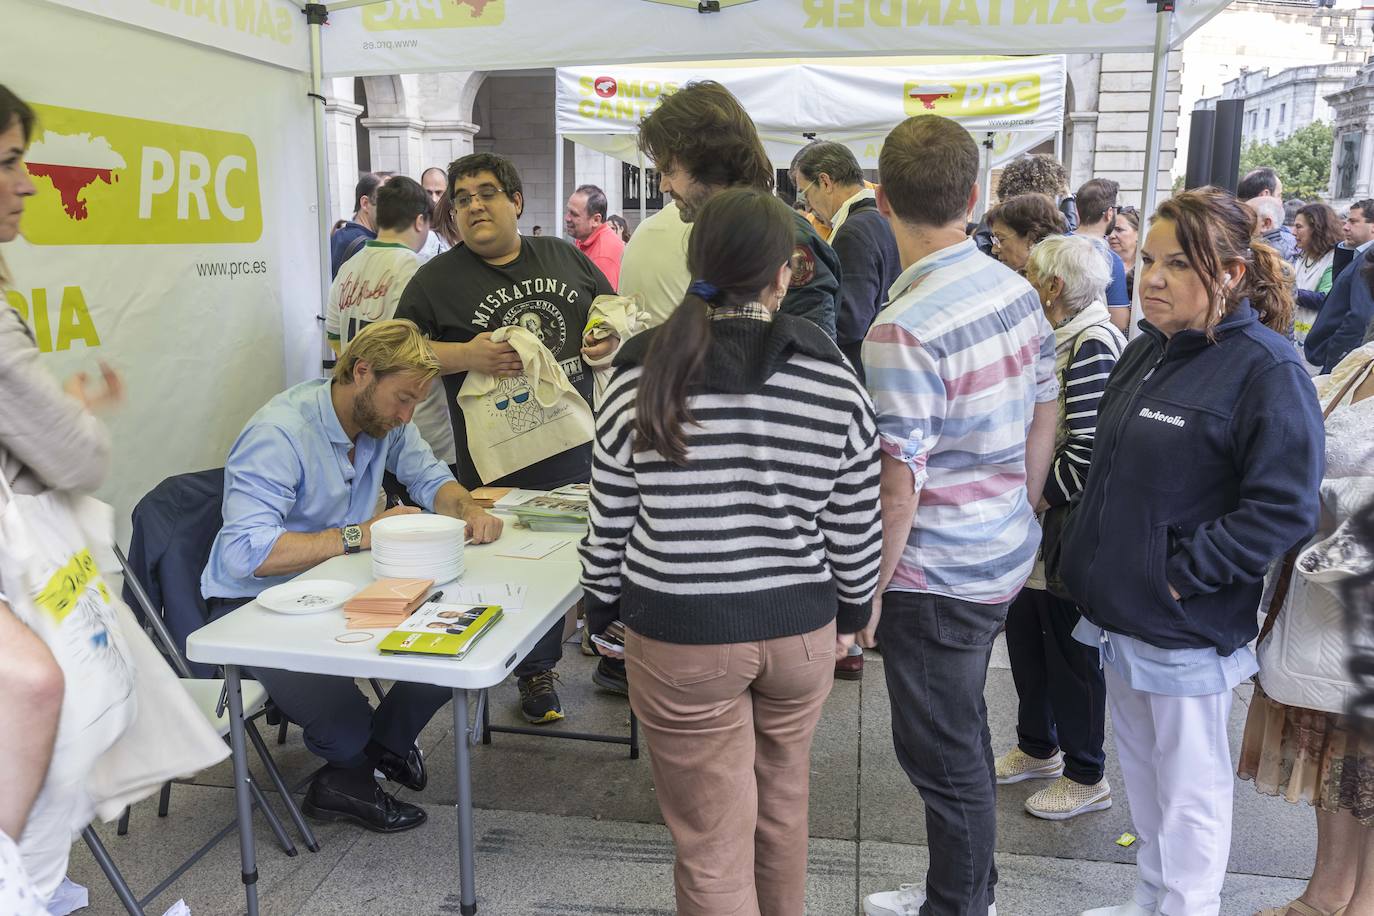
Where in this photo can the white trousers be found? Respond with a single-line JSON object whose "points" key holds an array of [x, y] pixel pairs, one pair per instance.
{"points": [[1176, 762]]}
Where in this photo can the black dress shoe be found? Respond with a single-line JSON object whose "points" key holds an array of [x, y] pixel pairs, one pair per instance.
{"points": [[330, 800], [409, 771]]}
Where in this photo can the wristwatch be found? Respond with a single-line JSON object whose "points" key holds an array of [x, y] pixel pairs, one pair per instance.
{"points": [[352, 538]]}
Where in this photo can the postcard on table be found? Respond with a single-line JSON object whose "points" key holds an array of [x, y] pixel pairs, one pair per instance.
{"points": [[528, 548]]}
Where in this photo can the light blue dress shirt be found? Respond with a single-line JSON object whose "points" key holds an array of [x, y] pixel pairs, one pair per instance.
{"points": [[289, 471], [1167, 672]]}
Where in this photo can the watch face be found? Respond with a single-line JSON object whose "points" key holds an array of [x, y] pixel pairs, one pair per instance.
{"points": [[353, 535]]}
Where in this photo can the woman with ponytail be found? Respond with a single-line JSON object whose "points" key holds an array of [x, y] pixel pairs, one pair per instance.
{"points": [[735, 534], [1205, 470]]}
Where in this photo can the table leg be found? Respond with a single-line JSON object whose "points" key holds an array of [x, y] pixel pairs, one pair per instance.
{"points": [[242, 796], [467, 879]]}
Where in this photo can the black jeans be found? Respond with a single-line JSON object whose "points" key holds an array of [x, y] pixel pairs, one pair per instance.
{"points": [[935, 658], [1063, 699], [336, 717]]}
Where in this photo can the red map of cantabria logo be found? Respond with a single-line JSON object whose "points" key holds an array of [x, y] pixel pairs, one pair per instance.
{"points": [[478, 6], [73, 163]]}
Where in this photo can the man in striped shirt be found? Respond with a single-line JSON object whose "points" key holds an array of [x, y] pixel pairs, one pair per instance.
{"points": [[960, 365]]}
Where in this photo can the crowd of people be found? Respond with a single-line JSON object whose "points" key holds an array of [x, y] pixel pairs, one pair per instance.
{"points": [[910, 435]]}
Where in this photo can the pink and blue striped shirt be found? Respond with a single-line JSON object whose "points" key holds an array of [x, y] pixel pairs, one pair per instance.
{"points": [[956, 363]]}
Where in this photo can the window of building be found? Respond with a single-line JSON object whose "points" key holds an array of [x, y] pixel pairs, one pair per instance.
{"points": [[630, 188], [1283, 112], [1266, 118], [1254, 121]]}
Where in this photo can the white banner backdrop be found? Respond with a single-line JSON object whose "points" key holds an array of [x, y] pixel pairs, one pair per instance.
{"points": [[172, 236], [408, 36], [855, 103], [267, 30]]}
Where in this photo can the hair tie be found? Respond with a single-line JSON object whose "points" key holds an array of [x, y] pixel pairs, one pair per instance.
{"points": [[707, 291]]}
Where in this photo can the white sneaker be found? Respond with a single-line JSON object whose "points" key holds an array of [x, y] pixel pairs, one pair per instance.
{"points": [[1125, 909], [1017, 766], [905, 901], [1064, 799]]}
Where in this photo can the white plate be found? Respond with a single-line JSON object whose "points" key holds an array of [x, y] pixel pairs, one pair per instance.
{"points": [[307, 596], [418, 526]]}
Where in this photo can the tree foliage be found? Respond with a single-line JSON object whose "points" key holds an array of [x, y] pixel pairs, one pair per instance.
{"points": [[1303, 160]]}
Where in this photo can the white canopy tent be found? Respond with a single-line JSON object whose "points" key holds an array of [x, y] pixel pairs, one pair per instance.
{"points": [[367, 37], [1016, 102]]}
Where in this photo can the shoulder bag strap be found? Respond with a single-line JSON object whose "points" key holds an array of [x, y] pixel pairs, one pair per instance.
{"points": [[1290, 559]]}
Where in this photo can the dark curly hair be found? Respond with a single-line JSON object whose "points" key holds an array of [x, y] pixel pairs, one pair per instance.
{"points": [[705, 130], [1038, 174], [1031, 216]]}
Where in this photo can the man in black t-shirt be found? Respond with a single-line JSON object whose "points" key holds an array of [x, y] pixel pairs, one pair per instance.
{"points": [[497, 277]]}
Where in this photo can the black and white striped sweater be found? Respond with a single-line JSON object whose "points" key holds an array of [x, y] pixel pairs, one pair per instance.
{"points": [[772, 528]]}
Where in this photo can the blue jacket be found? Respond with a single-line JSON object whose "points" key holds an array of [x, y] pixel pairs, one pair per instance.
{"points": [[345, 243], [869, 265], [1205, 469], [1345, 316]]}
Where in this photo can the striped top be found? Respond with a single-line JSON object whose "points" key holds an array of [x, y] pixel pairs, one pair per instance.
{"points": [[771, 528], [956, 364], [1086, 348]]}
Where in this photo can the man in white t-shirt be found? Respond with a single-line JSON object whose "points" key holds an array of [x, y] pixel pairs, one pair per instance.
{"points": [[369, 286], [655, 263]]}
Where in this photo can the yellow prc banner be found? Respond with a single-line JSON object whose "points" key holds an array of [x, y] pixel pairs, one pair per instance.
{"points": [[394, 15], [103, 179], [66, 586], [990, 97]]}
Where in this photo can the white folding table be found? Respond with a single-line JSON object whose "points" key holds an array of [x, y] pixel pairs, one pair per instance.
{"points": [[254, 637]]}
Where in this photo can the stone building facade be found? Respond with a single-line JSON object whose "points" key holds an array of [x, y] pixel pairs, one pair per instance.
{"points": [[1278, 104], [1352, 160]]}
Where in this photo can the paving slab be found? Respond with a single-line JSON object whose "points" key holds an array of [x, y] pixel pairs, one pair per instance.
{"points": [[540, 865], [1045, 886], [1270, 837], [213, 887]]}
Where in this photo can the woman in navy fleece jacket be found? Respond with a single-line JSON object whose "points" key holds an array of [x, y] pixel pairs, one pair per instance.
{"points": [[1205, 470]]}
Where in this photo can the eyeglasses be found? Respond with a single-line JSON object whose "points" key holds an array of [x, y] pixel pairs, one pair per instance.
{"points": [[486, 192], [801, 195]]}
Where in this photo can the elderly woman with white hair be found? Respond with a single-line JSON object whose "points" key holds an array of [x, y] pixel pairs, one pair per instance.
{"points": [[1061, 717]]}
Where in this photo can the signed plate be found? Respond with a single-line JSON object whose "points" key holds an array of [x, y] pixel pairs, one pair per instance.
{"points": [[308, 596]]}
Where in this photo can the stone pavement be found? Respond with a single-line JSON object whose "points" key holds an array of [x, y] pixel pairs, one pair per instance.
{"points": [[571, 828]]}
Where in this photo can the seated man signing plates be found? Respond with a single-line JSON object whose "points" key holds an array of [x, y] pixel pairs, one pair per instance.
{"points": [[300, 486]]}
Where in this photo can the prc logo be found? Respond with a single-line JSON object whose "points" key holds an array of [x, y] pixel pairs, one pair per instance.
{"points": [[396, 15], [104, 179], [928, 94], [72, 164], [605, 86], [976, 97]]}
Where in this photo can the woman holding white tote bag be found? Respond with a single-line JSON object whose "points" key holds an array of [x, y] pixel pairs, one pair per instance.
{"points": [[1298, 741], [50, 441], [74, 663]]}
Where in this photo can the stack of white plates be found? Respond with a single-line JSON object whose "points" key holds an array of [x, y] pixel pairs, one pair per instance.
{"points": [[419, 546]]}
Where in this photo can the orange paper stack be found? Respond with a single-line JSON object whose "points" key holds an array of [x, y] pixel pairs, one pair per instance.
{"points": [[385, 603]]}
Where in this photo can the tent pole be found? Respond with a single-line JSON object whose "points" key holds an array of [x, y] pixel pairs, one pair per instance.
{"points": [[317, 14], [1159, 82], [985, 180], [643, 190], [558, 184]]}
